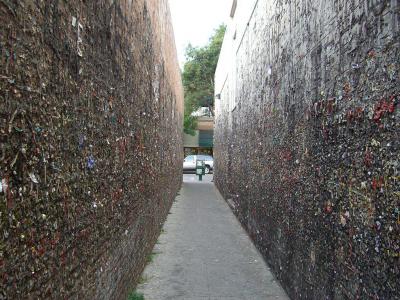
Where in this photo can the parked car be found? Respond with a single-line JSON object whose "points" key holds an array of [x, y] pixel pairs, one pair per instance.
{"points": [[189, 164]]}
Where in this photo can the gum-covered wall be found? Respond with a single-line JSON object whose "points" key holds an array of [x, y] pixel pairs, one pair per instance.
{"points": [[90, 144], [307, 140]]}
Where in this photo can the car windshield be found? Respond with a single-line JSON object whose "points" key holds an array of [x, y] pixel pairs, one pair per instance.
{"points": [[189, 158], [204, 157]]}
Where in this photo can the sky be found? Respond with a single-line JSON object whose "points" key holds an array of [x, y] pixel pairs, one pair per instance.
{"points": [[194, 21]]}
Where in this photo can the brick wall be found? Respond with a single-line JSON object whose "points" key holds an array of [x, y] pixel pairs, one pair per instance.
{"points": [[90, 141], [307, 142]]}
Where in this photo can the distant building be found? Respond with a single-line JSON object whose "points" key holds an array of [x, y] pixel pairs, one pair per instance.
{"points": [[202, 141]]}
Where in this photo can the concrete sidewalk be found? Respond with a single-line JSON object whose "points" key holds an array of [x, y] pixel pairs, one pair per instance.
{"points": [[205, 254]]}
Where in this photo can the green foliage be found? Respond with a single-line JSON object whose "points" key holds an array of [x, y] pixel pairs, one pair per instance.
{"points": [[150, 257], [135, 296], [189, 124], [143, 279], [198, 77]]}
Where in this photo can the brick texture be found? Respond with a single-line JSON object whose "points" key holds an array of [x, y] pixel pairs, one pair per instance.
{"points": [[90, 142], [307, 144]]}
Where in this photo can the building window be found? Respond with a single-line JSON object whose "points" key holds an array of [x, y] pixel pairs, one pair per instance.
{"points": [[206, 138]]}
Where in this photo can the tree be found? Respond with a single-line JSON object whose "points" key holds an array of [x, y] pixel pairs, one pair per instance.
{"points": [[198, 77]]}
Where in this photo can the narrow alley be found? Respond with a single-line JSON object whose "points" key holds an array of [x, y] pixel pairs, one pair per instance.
{"points": [[289, 109], [203, 252]]}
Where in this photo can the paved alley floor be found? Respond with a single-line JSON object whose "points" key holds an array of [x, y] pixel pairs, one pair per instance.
{"points": [[203, 253]]}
